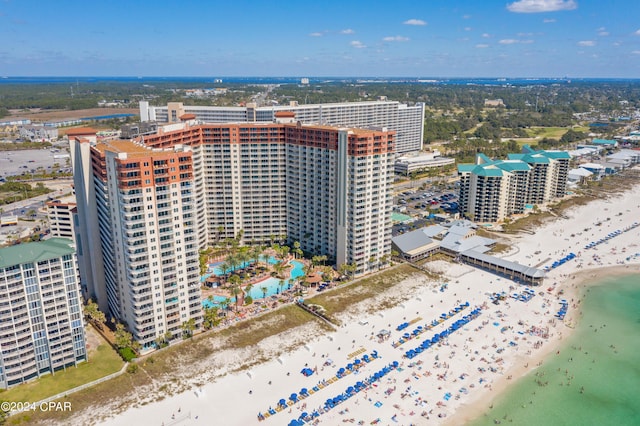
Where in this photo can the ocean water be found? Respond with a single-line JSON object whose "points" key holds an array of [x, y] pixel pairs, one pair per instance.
{"points": [[595, 380]]}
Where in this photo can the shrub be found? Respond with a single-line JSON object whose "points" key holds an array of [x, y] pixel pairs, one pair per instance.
{"points": [[127, 354], [132, 368]]}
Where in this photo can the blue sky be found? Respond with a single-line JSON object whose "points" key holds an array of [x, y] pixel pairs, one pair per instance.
{"points": [[426, 38]]}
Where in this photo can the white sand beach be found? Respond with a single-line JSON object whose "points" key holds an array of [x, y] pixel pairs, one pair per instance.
{"points": [[450, 382]]}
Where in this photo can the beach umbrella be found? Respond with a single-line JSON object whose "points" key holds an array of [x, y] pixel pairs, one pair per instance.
{"points": [[303, 391], [294, 422], [293, 397], [357, 361], [304, 415]]}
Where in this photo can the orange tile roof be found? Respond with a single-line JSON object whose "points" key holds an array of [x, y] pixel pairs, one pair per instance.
{"points": [[285, 114]]}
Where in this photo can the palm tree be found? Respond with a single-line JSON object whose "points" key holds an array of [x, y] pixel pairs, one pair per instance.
{"points": [[188, 327], [291, 282], [256, 251], [220, 230], [233, 261], [235, 291], [225, 267], [296, 249], [280, 285], [224, 303], [278, 268], [264, 292], [248, 289], [243, 259]]}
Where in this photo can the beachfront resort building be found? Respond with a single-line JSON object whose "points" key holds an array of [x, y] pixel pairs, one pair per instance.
{"points": [[407, 121], [137, 219], [492, 190], [41, 310], [159, 200]]}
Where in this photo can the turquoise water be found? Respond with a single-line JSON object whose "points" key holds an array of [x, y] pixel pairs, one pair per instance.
{"points": [[272, 285], [595, 380], [217, 271]]}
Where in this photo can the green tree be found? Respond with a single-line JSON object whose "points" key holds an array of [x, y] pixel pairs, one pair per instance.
{"points": [[123, 338], [236, 291], [210, 318], [93, 314], [188, 327]]}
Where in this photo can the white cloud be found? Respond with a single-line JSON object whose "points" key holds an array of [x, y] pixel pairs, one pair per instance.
{"points": [[509, 41], [347, 31], [414, 22], [482, 46], [468, 28], [637, 32], [635, 52], [526, 41], [602, 31], [587, 43], [357, 44], [538, 6], [396, 38], [486, 35], [466, 16], [316, 34], [548, 21]]}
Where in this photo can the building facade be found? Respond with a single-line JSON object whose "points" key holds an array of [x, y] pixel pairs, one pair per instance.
{"points": [[406, 121], [38, 133], [145, 214], [61, 219], [41, 327], [159, 202], [492, 190]]}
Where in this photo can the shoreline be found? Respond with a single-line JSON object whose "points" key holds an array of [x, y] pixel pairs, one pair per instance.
{"points": [[581, 282], [471, 367]]}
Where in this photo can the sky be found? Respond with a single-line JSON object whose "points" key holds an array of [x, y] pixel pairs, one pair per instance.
{"points": [[400, 38]]}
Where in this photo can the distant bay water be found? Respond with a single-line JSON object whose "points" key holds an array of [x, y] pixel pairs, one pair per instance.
{"points": [[313, 80], [595, 380]]}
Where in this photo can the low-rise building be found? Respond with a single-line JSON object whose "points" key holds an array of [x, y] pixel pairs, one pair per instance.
{"points": [[420, 163], [38, 133]]}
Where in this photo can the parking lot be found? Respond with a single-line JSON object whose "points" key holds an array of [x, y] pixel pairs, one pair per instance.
{"points": [[421, 203], [28, 161]]}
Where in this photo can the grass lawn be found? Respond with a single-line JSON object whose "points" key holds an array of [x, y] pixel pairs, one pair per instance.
{"points": [[547, 132], [102, 362]]}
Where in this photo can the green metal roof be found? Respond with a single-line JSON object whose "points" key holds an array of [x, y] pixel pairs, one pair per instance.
{"points": [[466, 167], [482, 159], [556, 154], [604, 142], [489, 171], [35, 252], [516, 156], [513, 165]]}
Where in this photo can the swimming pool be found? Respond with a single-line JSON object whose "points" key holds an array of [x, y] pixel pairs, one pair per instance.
{"points": [[272, 286], [215, 267]]}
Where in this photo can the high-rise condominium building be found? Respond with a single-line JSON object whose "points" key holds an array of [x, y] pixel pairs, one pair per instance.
{"points": [[160, 201], [492, 190], [41, 327], [406, 121], [144, 211]]}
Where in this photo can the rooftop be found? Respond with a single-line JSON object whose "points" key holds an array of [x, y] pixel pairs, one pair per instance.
{"points": [[35, 252]]}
